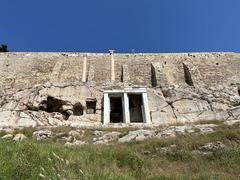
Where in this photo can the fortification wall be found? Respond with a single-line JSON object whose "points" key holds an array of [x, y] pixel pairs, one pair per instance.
{"points": [[46, 89], [23, 70]]}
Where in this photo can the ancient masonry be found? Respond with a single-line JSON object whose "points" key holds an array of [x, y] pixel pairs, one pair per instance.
{"points": [[80, 89]]}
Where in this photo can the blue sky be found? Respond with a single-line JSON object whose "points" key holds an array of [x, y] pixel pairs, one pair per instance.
{"points": [[123, 25]]}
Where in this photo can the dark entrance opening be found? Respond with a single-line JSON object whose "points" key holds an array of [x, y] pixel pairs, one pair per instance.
{"points": [[153, 76], [116, 110], [136, 107], [187, 75], [91, 106], [77, 109], [54, 105]]}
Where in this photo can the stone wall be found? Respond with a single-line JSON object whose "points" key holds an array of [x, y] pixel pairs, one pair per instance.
{"points": [[183, 87], [27, 69]]}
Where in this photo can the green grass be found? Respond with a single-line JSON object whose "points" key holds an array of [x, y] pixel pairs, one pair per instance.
{"points": [[138, 160]]}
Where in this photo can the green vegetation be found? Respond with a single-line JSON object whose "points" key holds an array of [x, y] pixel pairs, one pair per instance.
{"points": [[172, 158]]}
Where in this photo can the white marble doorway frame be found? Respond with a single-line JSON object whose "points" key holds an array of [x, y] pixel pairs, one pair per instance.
{"points": [[125, 103]]}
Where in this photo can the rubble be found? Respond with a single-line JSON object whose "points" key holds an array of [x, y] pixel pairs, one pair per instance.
{"points": [[42, 134], [19, 137], [138, 135], [212, 146]]}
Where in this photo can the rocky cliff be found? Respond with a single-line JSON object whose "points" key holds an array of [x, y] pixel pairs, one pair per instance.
{"points": [[45, 89]]}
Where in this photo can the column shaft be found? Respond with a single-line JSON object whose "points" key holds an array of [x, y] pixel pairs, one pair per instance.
{"points": [[106, 109], [147, 118], [126, 113], [84, 73], [112, 66]]}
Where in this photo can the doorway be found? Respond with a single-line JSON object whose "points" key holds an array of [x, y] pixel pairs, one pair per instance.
{"points": [[116, 110], [136, 107]]}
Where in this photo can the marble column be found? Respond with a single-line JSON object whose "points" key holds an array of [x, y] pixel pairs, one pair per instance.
{"points": [[126, 113], [147, 118], [112, 65], [106, 109], [84, 72]]}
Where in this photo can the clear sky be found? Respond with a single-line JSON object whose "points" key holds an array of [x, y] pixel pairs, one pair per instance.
{"points": [[123, 25]]}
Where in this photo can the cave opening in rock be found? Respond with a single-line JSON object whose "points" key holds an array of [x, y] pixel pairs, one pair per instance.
{"points": [[54, 105], [136, 107], [91, 105], [78, 109], [116, 110], [187, 75]]}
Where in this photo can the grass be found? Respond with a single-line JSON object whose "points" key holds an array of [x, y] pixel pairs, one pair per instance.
{"points": [[138, 160]]}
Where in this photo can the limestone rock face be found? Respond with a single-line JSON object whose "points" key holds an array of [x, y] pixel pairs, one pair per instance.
{"points": [[46, 105], [106, 138], [232, 122], [32, 107], [196, 104], [45, 89], [60, 105], [138, 135], [16, 119]]}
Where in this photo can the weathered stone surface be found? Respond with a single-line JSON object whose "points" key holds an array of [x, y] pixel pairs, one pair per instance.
{"points": [[103, 136], [164, 116], [42, 134], [7, 136], [75, 134], [188, 110], [166, 133], [235, 113], [25, 120], [206, 128], [172, 131], [81, 122], [138, 135], [69, 138], [98, 133], [16, 119], [213, 146], [232, 122], [75, 143], [19, 137], [45, 89], [106, 138]]}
